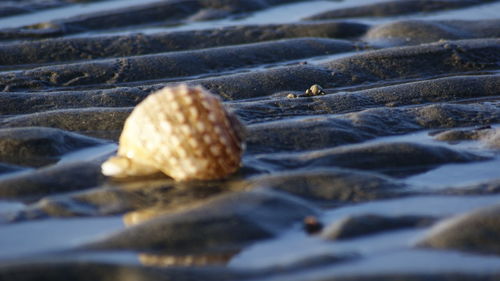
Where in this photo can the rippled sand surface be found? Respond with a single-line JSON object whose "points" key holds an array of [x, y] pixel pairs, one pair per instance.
{"points": [[392, 172]]}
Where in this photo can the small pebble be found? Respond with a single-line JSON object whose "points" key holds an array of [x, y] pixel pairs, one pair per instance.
{"points": [[312, 225]]}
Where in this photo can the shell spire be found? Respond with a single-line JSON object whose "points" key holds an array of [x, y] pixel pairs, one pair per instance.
{"points": [[184, 132]]}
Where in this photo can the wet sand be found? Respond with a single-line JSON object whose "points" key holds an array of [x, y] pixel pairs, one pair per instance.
{"points": [[392, 172]]}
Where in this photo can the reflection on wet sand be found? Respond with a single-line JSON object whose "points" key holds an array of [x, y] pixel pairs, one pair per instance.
{"points": [[169, 197], [164, 196], [188, 260]]}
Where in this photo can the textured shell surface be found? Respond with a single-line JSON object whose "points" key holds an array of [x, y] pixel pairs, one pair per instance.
{"points": [[182, 131]]}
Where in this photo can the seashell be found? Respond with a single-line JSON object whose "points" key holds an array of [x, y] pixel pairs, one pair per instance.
{"points": [[184, 132], [314, 90]]}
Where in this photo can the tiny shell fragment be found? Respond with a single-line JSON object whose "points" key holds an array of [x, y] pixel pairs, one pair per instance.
{"points": [[314, 90], [184, 132]]}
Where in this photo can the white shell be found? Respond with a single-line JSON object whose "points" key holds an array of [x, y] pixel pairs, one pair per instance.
{"points": [[184, 132]]}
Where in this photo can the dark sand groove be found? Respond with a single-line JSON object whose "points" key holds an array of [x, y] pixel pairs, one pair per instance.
{"points": [[396, 8], [171, 12], [170, 65], [10, 8], [389, 172], [46, 51]]}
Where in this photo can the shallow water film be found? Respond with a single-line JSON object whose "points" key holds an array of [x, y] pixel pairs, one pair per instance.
{"points": [[372, 140]]}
